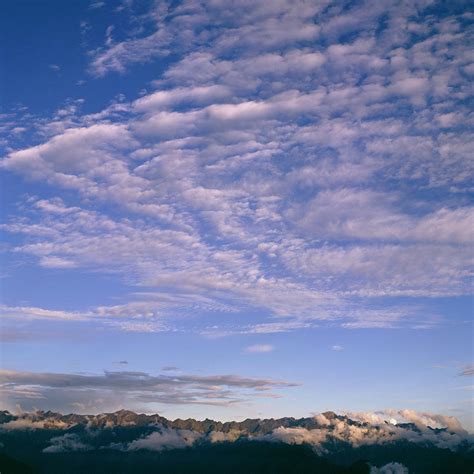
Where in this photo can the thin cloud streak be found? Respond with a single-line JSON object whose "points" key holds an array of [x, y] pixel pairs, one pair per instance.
{"points": [[130, 388]]}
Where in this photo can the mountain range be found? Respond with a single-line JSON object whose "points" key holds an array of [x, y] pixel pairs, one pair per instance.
{"points": [[127, 442]]}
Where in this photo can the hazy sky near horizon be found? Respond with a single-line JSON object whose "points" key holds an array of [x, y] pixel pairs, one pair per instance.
{"points": [[237, 209]]}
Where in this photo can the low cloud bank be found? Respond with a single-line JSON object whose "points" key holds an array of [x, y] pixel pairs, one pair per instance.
{"points": [[359, 429], [323, 432]]}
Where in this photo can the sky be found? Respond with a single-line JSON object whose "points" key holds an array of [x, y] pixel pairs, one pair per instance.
{"points": [[236, 209]]}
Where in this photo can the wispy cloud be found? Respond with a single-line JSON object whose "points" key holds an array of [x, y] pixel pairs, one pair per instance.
{"points": [[137, 390], [468, 370], [260, 348], [96, 5]]}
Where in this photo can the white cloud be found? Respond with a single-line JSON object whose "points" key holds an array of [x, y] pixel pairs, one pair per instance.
{"points": [[391, 468], [25, 312], [324, 433], [196, 95], [96, 5], [179, 29], [285, 175], [260, 348], [165, 439], [374, 430], [67, 442]]}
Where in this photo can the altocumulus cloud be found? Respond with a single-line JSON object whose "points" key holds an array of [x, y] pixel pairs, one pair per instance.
{"points": [[360, 108]]}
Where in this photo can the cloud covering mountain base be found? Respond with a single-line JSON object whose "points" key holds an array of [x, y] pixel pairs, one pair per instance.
{"points": [[383, 442]]}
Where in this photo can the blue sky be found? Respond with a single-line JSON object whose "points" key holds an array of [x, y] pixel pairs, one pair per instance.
{"points": [[256, 210]]}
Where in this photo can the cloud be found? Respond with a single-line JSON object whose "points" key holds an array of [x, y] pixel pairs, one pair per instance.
{"points": [[76, 158], [26, 312], [178, 28], [167, 98], [391, 468], [169, 368], [259, 348], [337, 348], [370, 216], [165, 439], [116, 56], [304, 180], [468, 370], [325, 433], [128, 388], [27, 421], [422, 420], [374, 429], [66, 443], [96, 5]]}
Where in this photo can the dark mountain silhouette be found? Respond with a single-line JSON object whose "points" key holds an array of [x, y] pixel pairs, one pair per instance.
{"points": [[126, 442]]}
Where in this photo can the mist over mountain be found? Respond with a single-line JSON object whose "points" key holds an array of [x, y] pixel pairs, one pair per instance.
{"points": [[396, 442]]}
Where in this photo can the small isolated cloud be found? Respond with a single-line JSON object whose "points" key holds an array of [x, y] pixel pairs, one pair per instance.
{"points": [[169, 368], [166, 439], [54, 67], [96, 5], [260, 348], [392, 468], [337, 348], [68, 442], [121, 362], [468, 370], [56, 262]]}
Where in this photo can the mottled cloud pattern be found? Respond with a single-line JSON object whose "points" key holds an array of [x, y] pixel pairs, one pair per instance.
{"points": [[303, 159]]}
